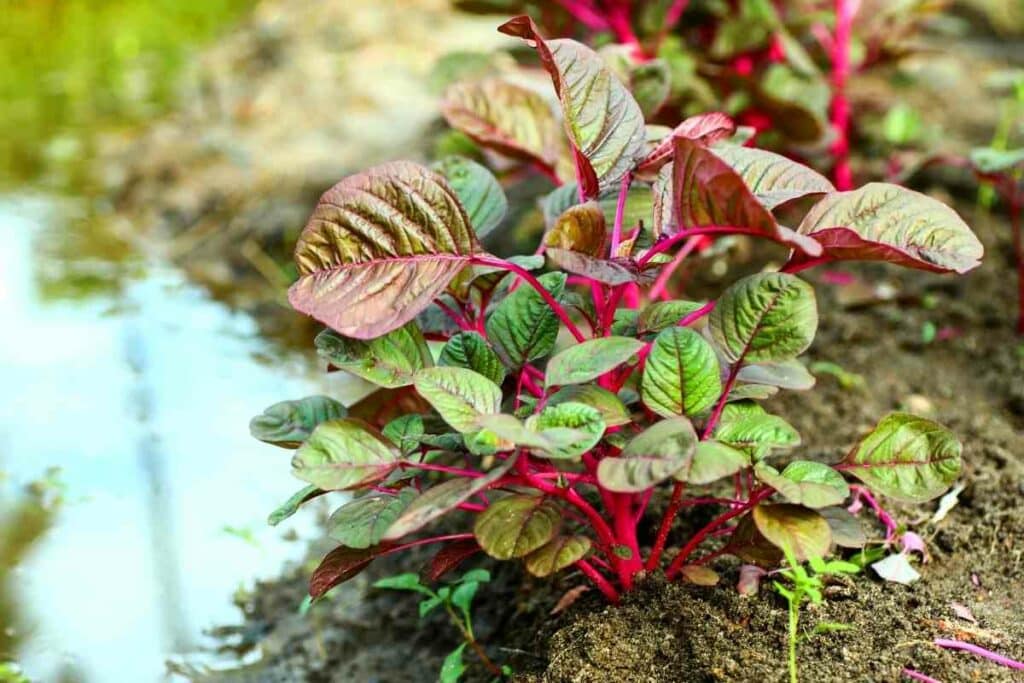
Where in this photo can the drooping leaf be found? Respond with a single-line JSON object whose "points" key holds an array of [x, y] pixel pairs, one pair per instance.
{"points": [[459, 395], [615, 271], [787, 374], [523, 327], [746, 425], [379, 247], [804, 482], [344, 454], [289, 423], [765, 317], [802, 531], [471, 351], [291, 506], [907, 458], [569, 429], [613, 412], [712, 461], [338, 566], [773, 178], [639, 201], [706, 191], [478, 191], [883, 222], [442, 499], [651, 457], [748, 544], [681, 375], [557, 554], [506, 117], [601, 118], [389, 361], [664, 314], [361, 523], [450, 557], [589, 360], [847, 531], [580, 228], [517, 525], [705, 129]]}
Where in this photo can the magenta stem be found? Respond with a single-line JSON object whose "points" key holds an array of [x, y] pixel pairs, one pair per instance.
{"points": [[918, 676], [620, 212], [598, 580], [884, 517], [980, 651], [666, 273], [840, 104]]}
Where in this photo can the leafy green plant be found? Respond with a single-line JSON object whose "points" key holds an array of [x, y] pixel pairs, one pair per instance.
{"points": [[806, 586], [538, 414], [457, 600]]}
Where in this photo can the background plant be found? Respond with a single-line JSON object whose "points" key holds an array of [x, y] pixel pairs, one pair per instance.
{"points": [[559, 403]]}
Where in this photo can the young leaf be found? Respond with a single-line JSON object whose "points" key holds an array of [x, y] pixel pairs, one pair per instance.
{"points": [[516, 526], [705, 129], [288, 423], [471, 351], [402, 582], [338, 566], [589, 360], [712, 461], [787, 374], [361, 523], [773, 178], [389, 361], [478, 191], [804, 482], [803, 532], [580, 228], [452, 668], [442, 499], [344, 454], [291, 506], [662, 315], [681, 375], [765, 317], [569, 429], [523, 327], [602, 119], [459, 395], [747, 426], [507, 117], [651, 457], [379, 247], [883, 222], [906, 458], [613, 412], [557, 554]]}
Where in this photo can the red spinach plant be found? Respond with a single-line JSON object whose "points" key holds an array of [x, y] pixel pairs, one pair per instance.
{"points": [[560, 403]]}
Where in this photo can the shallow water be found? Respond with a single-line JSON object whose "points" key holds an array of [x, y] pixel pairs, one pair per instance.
{"points": [[139, 388]]}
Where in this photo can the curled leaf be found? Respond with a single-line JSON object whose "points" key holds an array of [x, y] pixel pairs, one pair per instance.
{"points": [[389, 361], [338, 566], [705, 129], [580, 228], [288, 423]]}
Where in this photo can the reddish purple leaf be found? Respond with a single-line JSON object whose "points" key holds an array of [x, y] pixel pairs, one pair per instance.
{"points": [[705, 129], [340, 565], [449, 557]]}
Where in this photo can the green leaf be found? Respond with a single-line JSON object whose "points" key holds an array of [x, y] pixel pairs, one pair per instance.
{"points": [[613, 412], [751, 392], [773, 178], [478, 191], [601, 118], [406, 432], [797, 529], [906, 458], [452, 668], [569, 429], [389, 361], [664, 314], [989, 160], [289, 423], [681, 375], [787, 374], [338, 566], [747, 426], [515, 526], [403, 582], [344, 454], [590, 359], [291, 506], [712, 461], [765, 317], [442, 499], [463, 594], [523, 327], [624, 322], [804, 482], [883, 222], [379, 247], [470, 350], [651, 457], [509, 118], [651, 84], [361, 523], [557, 554], [459, 395]]}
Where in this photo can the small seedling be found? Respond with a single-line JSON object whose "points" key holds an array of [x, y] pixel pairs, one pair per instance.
{"points": [[457, 600], [807, 586]]}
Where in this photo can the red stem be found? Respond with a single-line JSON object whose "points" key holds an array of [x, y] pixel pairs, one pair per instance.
{"points": [[667, 244], [666, 273], [654, 559], [845, 10], [598, 580]]}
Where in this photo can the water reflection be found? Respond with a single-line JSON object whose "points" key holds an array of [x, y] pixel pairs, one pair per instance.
{"points": [[140, 392]]}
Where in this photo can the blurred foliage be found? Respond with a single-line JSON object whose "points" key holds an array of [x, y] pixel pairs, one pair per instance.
{"points": [[73, 66]]}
